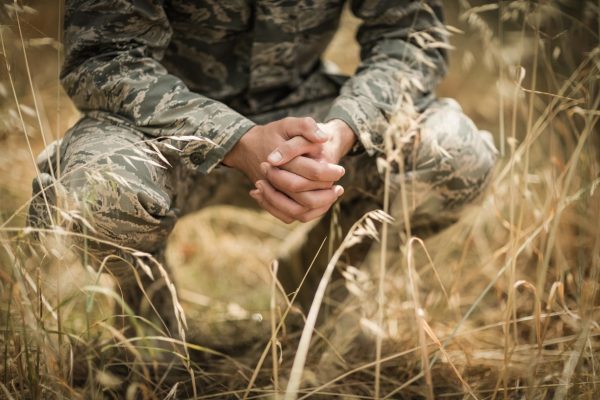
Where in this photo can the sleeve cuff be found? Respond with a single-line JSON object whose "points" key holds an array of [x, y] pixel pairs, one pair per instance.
{"points": [[203, 153], [363, 118]]}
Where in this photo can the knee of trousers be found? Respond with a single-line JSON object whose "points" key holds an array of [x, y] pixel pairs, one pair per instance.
{"points": [[454, 157], [113, 210]]}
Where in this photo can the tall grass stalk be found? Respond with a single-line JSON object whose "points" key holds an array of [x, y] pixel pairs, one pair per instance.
{"points": [[503, 305]]}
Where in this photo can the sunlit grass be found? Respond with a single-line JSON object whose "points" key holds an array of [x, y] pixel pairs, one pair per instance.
{"points": [[503, 304]]}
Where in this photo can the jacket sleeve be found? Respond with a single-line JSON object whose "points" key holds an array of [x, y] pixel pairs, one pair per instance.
{"points": [[112, 67], [403, 46]]}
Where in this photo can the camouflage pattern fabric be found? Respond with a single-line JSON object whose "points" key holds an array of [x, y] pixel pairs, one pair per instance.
{"points": [[132, 198], [202, 68], [447, 164], [167, 88]]}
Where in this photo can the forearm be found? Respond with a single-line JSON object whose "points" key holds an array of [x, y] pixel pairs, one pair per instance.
{"points": [[403, 58], [112, 66]]}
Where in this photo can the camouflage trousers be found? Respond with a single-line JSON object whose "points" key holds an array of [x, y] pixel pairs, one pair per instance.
{"points": [[131, 198]]}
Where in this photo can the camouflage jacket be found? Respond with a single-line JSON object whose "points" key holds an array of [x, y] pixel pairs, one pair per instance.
{"points": [[202, 67]]}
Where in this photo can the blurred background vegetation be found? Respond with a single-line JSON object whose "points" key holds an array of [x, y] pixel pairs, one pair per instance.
{"points": [[511, 302]]}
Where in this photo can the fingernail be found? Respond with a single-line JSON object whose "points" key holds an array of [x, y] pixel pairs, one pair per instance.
{"points": [[338, 190], [253, 193], [259, 186], [275, 157], [322, 134], [264, 167], [342, 170]]}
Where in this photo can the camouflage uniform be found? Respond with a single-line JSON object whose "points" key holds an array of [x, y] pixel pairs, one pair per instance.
{"points": [[189, 78]]}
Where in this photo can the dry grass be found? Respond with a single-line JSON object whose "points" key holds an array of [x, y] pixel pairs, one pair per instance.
{"points": [[505, 304]]}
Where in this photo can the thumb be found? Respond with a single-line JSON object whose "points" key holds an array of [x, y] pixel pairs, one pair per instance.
{"points": [[305, 127], [291, 149]]}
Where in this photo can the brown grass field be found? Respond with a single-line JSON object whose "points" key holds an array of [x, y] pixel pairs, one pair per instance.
{"points": [[504, 304]]}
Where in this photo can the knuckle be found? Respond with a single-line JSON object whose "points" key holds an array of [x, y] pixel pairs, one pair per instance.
{"points": [[319, 174], [310, 202], [286, 123], [294, 211], [280, 124], [311, 173], [321, 185], [304, 218], [296, 186], [277, 183], [292, 186], [307, 123], [264, 196]]}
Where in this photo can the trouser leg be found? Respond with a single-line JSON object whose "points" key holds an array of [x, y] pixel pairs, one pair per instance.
{"points": [[120, 204], [124, 201], [132, 204], [446, 167]]}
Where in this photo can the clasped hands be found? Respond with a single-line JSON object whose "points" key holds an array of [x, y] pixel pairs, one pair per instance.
{"points": [[294, 164]]}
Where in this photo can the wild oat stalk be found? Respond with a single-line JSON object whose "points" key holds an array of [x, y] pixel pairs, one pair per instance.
{"points": [[363, 228]]}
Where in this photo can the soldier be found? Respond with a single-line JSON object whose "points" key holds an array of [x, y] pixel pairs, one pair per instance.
{"points": [[187, 104]]}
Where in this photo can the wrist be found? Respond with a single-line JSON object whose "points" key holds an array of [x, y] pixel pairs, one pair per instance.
{"points": [[234, 158], [342, 136]]}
